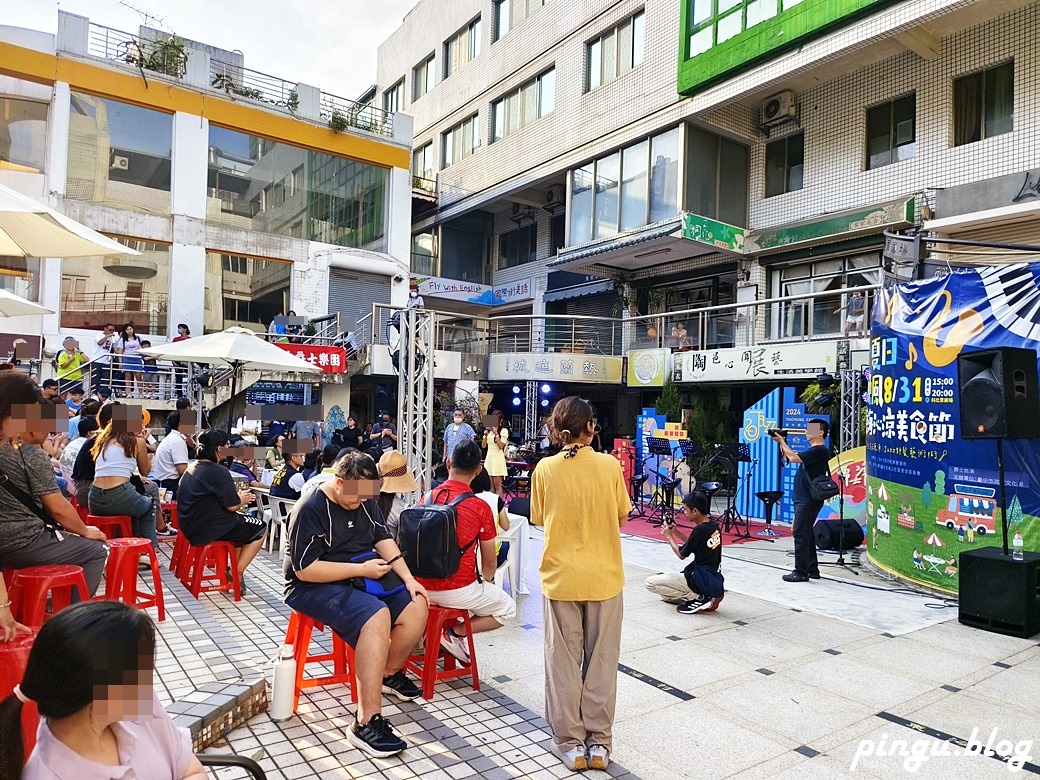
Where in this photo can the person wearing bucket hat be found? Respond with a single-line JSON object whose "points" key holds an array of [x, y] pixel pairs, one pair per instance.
{"points": [[398, 480]]}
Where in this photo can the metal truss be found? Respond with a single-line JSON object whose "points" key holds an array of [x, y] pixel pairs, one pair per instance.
{"points": [[851, 408], [531, 412], [415, 392]]}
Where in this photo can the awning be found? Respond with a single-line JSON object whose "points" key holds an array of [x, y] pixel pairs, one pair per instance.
{"points": [[577, 292], [1017, 214]]}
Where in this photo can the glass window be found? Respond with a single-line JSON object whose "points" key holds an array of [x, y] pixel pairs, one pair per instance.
{"points": [[461, 140], [509, 13], [728, 26], [23, 135], [984, 104], [119, 154], [268, 186], [608, 172], [615, 52], [120, 289], [733, 182], [891, 132], [393, 98], [664, 175], [518, 246], [462, 47], [784, 158], [422, 161], [245, 291], [520, 108], [633, 185], [21, 276], [423, 78], [582, 180], [424, 254]]}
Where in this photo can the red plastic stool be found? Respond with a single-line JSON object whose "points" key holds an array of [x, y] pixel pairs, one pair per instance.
{"points": [[83, 512], [14, 656], [425, 666], [113, 526], [30, 586], [342, 657], [121, 575], [219, 556], [179, 557]]}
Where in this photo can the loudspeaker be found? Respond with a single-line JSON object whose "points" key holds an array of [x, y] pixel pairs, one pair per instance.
{"points": [[829, 536], [998, 394], [1000, 594]]}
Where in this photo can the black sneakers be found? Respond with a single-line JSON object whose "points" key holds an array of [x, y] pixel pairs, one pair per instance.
{"points": [[795, 576], [703, 604], [377, 738], [401, 687]]}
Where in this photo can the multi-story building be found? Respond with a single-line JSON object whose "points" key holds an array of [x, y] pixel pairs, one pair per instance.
{"points": [[664, 156], [247, 196]]}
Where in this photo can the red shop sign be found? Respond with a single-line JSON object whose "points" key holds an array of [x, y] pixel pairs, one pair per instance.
{"points": [[331, 360]]}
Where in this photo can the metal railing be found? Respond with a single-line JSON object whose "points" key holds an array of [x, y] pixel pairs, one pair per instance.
{"points": [[424, 185], [557, 333], [158, 381], [165, 55], [254, 85], [342, 113]]}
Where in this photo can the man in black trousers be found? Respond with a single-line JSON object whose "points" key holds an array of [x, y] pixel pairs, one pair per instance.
{"points": [[813, 464]]}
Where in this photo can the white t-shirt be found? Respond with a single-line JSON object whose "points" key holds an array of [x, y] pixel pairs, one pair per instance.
{"points": [[68, 457], [316, 482], [172, 450], [100, 352]]}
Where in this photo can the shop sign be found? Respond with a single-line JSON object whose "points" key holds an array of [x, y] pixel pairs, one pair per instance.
{"points": [[763, 363], [331, 360], [847, 224], [648, 367], [513, 292], [453, 289], [554, 366], [713, 233], [996, 193]]}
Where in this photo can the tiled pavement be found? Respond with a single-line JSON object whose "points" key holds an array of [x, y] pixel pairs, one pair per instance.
{"points": [[783, 681]]}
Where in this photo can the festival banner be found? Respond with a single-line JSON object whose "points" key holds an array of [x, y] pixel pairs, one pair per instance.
{"points": [[331, 360], [930, 493]]}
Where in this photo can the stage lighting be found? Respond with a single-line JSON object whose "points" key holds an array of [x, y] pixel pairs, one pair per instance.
{"points": [[516, 389], [516, 401], [545, 402], [825, 399], [825, 381], [546, 389]]}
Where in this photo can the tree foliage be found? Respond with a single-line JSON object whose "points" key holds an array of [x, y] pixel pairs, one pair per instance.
{"points": [[926, 494], [669, 403]]}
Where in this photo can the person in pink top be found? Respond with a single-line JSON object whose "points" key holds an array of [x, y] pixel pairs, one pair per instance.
{"points": [[90, 673]]}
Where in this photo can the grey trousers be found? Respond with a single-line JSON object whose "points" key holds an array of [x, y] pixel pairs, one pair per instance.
{"points": [[71, 550], [582, 649]]}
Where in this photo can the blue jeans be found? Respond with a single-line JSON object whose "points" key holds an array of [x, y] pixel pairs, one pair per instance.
{"points": [[125, 500]]}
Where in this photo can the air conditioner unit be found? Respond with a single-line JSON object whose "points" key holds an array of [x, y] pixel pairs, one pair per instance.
{"points": [[554, 195], [779, 107], [120, 163], [518, 209]]}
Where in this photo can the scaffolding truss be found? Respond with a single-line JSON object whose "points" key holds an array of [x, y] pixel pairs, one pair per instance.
{"points": [[415, 392], [850, 426], [531, 412]]}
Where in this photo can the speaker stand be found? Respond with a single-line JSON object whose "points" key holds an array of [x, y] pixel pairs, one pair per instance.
{"points": [[841, 530]]}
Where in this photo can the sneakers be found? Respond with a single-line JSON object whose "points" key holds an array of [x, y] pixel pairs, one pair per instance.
{"points": [[168, 531], [574, 759], [401, 687], [377, 738], [702, 604], [715, 603], [456, 645], [795, 576], [599, 757]]}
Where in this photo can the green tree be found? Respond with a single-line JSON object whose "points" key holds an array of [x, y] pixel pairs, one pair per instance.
{"points": [[940, 483], [669, 403], [1015, 515], [926, 494]]}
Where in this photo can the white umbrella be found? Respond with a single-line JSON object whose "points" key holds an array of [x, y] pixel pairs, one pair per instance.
{"points": [[12, 305], [30, 229], [238, 348]]}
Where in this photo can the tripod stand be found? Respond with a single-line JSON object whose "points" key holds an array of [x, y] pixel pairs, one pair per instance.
{"points": [[841, 528], [635, 484]]}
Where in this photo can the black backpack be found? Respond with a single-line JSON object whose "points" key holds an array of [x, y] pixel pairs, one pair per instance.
{"points": [[428, 538]]}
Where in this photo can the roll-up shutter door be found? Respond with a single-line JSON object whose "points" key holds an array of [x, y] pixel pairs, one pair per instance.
{"points": [[352, 294], [597, 335]]}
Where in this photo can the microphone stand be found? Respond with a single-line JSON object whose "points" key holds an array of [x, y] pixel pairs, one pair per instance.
{"points": [[841, 527]]}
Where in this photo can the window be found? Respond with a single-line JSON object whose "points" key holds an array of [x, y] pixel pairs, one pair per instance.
{"points": [[509, 13], [268, 186], [119, 154], [461, 140], [984, 104], [615, 52], [716, 176], [518, 246], [422, 161], [21, 276], [462, 47], [424, 77], [531, 101], [244, 291], [784, 160], [891, 132], [393, 98], [820, 316], [23, 135], [716, 21]]}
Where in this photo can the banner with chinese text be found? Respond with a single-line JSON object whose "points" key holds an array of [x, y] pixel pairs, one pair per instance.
{"points": [[555, 366], [331, 360], [783, 362]]}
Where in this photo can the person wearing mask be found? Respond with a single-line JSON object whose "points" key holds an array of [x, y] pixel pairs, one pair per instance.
{"points": [[101, 357], [384, 433], [289, 480], [39, 527], [456, 432], [128, 346], [120, 452], [183, 333], [70, 365], [208, 504], [90, 673], [415, 301], [398, 482], [580, 498], [496, 439]]}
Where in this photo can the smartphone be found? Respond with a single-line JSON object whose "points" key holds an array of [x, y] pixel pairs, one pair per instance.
{"points": [[399, 555]]}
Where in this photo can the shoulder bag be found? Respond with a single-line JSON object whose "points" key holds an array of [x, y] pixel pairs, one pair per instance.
{"points": [[49, 523], [823, 487]]}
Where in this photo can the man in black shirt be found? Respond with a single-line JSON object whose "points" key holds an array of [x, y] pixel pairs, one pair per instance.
{"points": [[340, 554], [384, 433], [705, 545], [813, 464]]}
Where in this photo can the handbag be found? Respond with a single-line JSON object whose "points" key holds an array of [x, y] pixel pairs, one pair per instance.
{"points": [[49, 523], [705, 580], [823, 487], [388, 585]]}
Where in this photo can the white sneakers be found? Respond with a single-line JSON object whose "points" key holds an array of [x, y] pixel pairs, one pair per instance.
{"points": [[456, 645], [599, 757], [574, 759]]}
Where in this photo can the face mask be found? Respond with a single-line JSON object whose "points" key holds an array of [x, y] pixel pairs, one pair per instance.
{"points": [[414, 295]]}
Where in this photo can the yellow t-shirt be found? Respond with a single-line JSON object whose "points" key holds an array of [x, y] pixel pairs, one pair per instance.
{"points": [[579, 500]]}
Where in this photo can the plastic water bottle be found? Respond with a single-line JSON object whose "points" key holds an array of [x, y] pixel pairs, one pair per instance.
{"points": [[283, 681], [1016, 547]]}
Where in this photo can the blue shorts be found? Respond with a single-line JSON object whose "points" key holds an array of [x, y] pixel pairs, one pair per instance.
{"points": [[344, 608]]}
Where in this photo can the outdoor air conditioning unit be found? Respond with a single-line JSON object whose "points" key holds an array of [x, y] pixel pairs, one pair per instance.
{"points": [[120, 163], [779, 107], [518, 209], [554, 195]]}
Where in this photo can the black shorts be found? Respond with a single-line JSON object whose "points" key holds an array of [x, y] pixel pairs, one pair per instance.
{"points": [[248, 530]]}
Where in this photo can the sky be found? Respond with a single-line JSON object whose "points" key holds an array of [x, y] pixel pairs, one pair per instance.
{"points": [[334, 48]]}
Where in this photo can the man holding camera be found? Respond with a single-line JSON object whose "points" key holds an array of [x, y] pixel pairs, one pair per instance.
{"points": [[813, 464], [698, 587]]}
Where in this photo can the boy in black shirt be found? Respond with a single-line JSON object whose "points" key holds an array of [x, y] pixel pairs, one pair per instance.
{"points": [[340, 551], [686, 588]]}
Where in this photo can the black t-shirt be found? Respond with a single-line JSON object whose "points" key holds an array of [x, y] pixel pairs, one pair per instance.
{"points": [[705, 545], [814, 464], [320, 529], [351, 437], [385, 441], [83, 468], [205, 492]]}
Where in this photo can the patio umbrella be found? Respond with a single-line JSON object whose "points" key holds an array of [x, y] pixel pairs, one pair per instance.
{"points": [[934, 541], [30, 229], [237, 348], [12, 305]]}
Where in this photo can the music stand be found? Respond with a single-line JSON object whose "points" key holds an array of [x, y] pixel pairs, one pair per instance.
{"points": [[635, 484], [730, 454], [664, 495], [841, 529]]}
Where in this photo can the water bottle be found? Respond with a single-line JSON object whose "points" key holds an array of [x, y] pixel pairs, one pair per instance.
{"points": [[283, 682], [1016, 546]]}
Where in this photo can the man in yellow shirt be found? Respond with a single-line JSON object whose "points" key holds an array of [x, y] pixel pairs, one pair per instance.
{"points": [[70, 365]]}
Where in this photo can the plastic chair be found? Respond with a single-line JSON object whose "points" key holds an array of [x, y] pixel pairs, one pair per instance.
{"points": [[342, 656], [425, 666], [280, 508], [30, 586], [179, 556], [121, 575], [219, 556], [14, 656], [113, 526], [510, 568]]}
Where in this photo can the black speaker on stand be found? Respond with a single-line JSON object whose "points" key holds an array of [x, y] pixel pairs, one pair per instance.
{"points": [[999, 399]]}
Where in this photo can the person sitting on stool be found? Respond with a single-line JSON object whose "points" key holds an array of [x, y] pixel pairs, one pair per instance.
{"points": [[690, 587]]}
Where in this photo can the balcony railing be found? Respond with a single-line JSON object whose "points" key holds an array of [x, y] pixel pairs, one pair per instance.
{"points": [[342, 113], [254, 85], [165, 54], [424, 186]]}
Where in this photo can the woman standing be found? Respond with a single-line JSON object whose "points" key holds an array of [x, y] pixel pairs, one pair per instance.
{"points": [[120, 451], [128, 347], [580, 497], [455, 432], [496, 439], [351, 436]]}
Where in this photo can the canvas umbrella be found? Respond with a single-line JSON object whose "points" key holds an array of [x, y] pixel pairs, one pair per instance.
{"points": [[12, 305], [237, 348], [934, 541], [30, 229]]}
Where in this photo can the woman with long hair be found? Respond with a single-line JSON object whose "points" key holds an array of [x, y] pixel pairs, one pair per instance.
{"points": [[275, 458], [128, 346], [581, 499], [120, 453], [496, 439], [90, 674]]}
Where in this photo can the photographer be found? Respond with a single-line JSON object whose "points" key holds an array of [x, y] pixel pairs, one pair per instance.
{"points": [[813, 464], [698, 587]]}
